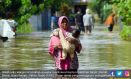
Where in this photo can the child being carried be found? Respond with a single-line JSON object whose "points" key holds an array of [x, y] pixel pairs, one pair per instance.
{"points": [[66, 45]]}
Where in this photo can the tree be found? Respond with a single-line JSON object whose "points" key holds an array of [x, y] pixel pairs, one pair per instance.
{"points": [[124, 9], [23, 9]]}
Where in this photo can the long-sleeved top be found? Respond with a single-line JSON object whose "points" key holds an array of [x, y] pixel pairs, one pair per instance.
{"points": [[87, 20]]}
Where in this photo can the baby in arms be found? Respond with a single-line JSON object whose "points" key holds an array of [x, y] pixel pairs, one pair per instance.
{"points": [[68, 48]]}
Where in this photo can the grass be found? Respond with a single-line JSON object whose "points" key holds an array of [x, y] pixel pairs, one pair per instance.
{"points": [[24, 28]]}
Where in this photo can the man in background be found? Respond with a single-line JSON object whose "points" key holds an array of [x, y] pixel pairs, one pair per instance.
{"points": [[87, 20], [78, 21]]}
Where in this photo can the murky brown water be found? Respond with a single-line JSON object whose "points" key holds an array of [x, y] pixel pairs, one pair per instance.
{"points": [[101, 50]]}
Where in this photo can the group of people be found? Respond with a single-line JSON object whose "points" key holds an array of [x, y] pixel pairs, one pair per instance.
{"points": [[84, 22], [87, 20], [65, 44]]}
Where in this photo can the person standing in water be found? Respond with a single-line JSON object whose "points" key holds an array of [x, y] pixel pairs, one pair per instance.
{"points": [[87, 20], [55, 48], [110, 21]]}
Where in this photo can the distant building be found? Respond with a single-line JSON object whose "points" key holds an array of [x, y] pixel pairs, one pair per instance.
{"points": [[81, 4], [42, 21]]}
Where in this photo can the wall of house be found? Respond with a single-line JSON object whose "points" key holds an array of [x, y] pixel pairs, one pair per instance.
{"points": [[41, 21]]}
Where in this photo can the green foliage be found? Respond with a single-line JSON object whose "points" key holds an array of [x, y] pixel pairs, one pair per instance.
{"points": [[24, 9], [72, 15], [24, 28], [41, 7], [124, 9], [7, 2], [9, 6], [57, 3], [101, 7], [106, 10], [65, 9], [120, 8], [126, 33]]}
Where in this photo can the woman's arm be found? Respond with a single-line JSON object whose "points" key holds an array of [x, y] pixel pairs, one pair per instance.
{"points": [[56, 47], [78, 46], [54, 44]]}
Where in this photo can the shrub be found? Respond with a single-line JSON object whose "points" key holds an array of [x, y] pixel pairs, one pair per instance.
{"points": [[24, 28], [126, 33]]}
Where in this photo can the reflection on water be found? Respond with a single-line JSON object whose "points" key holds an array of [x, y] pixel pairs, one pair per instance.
{"points": [[101, 50]]}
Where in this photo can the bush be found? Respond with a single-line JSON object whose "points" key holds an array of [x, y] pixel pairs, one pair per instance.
{"points": [[126, 33], [24, 28]]}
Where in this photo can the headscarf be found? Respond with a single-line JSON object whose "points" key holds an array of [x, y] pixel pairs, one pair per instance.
{"points": [[87, 11], [55, 40], [68, 27]]}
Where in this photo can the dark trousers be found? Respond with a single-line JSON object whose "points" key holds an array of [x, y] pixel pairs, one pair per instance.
{"points": [[88, 28], [110, 28], [4, 39]]}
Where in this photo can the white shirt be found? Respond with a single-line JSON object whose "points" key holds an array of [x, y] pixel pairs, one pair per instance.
{"points": [[87, 20], [12, 23]]}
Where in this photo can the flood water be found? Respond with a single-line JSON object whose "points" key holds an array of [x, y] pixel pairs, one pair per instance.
{"points": [[101, 50]]}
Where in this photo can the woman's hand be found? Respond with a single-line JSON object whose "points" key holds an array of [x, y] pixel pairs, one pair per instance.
{"points": [[59, 46], [78, 48]]}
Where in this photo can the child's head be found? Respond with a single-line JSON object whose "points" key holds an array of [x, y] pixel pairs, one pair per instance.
{"points": [[76, 33], [56, 32]]}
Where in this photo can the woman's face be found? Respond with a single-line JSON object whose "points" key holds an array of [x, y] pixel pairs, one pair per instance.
{"points": [[64, 24]]}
